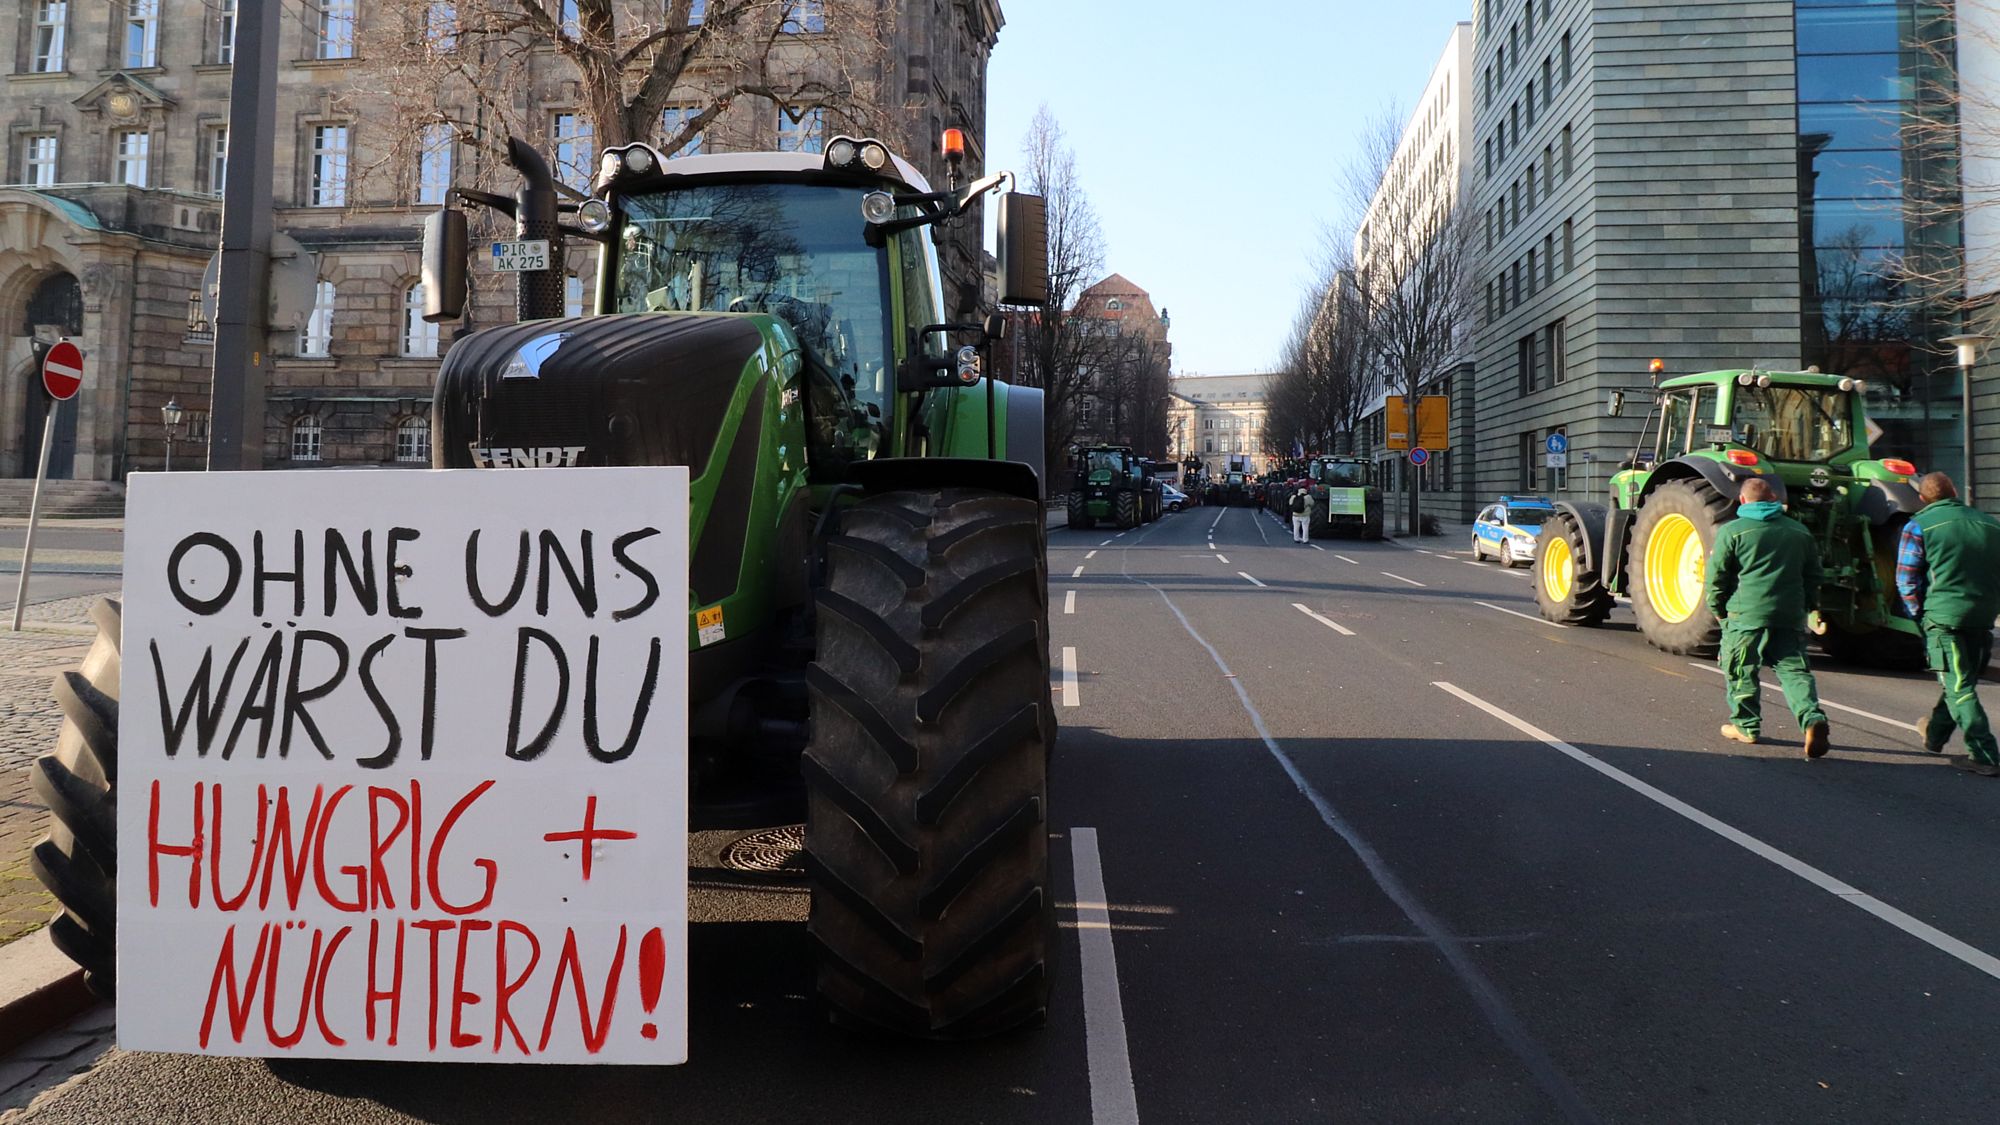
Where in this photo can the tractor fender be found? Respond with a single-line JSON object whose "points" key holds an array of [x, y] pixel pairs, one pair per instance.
{"points": [[1592, 518], [1727, 480], [1024, 430], [890, 474], [1887, 499]]}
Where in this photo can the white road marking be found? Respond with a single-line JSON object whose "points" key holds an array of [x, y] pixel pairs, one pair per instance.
{"points": [[1120, 535], [1400, 578], [1112, 1097], [1219, 513], [1069, 698], [1451, 949], [1069, 601], [1328, 622], [1106, 543], [1090, 556], [1077, 573], [1316, 546], [1253, 581], [1345, 559], [1469, 562], [1223, 558], [1523, 616], [1827, 703], [1922, 931]]}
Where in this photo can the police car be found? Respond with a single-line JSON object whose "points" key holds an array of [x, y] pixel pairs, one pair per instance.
{"points": [[1507, 530]]}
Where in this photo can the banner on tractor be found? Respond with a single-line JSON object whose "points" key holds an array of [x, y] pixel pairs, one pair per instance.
{"points": [[1433, 423], [1347, 502], [403, 765]]}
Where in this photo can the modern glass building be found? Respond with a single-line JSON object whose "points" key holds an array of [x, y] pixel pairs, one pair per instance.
{"points": [[1879, 235]]}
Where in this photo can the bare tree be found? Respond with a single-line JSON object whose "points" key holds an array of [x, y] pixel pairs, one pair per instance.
{"points": [[1326, 379]]}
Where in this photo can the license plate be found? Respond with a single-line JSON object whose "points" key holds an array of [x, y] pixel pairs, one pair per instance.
{"points": [[521, 257]]}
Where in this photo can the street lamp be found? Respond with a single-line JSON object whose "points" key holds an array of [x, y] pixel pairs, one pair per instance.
{"points": [[1968, 345], [170, 417]]}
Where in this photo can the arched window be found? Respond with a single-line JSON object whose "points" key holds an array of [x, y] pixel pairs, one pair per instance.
{"points": [[1114, 305], [413, 440], [316, 339], [420, 336], [305, 438]]}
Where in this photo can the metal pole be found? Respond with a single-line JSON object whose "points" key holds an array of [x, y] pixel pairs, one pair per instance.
{"points": [[34, 515], [242, 328], [1965, 433], [170, 450]]}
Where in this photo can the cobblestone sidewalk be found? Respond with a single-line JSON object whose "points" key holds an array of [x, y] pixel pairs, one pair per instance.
{"points": [[29, 719]]}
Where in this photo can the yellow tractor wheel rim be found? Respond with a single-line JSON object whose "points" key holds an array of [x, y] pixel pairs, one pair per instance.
{"points": [[1674, 562], [1558, 570]]}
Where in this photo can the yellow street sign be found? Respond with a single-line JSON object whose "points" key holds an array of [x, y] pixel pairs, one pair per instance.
{"points": [[1433, 423]]}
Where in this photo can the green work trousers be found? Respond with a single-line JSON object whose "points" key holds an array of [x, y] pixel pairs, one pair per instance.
{"points": [[1746, 650], [1958, 656]]}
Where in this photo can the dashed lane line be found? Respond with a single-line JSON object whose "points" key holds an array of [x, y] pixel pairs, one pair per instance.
{"points": [[1345, 559], [1316, 546], [1400, 578], [1106, 543], [1828, 703], [1069, 601], [1252, 581], [1090, 556], [1451, 948], [1523, 616], [1069, 693], [1220, 512], [1077, 573], [1222, 558], [1328, 622], [1113, 1100], [1915, 927]]}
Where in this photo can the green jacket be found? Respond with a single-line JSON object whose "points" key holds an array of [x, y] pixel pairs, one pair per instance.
{"points": [[1961, 552], [1763, 570]]}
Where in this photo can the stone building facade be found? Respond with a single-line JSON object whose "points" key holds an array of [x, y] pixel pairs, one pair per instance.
{"points": [[1211, 417], [116, 120]]}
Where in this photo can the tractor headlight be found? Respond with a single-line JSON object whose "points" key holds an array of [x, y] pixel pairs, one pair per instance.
{"points": [[874, 156], [638, 160], [609, 167], [841, 153], [878, 207], [594, 215]]}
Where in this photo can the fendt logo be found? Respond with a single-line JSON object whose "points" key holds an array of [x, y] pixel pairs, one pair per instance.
{"points": [[533, 457]]}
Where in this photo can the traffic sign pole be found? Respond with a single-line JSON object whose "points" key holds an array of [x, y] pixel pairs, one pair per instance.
{"points": [[34, 516]]}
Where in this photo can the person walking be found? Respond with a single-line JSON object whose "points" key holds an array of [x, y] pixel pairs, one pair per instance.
{"points": [[1763, 579], [1301, 506], [1948, 573]]}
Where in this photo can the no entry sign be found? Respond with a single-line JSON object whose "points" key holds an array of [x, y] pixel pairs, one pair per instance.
{"points": [[62, 370]]}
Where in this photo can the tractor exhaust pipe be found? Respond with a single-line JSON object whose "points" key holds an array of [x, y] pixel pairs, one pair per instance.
{"points": [[538, 294]]}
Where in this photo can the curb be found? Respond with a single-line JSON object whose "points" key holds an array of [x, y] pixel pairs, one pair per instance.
{"points": [[40, 989], [66, 568]]}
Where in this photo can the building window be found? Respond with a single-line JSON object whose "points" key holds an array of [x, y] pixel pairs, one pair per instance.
{"points": [[51, 29], [807, 134], [1489, 230], [335, 31], [1568, 170], [1558, 346], [38, 163], [674, 119], [576, 149], [134, 149], [142, 34], [1565, 58], [1489, 302], [804, 17], [316, 338], [420, 336], [1528, 21], [329, 166], [224, 51], [1548, 169], [1549, 255], [413, 440], [1524, 363], [1534, 274], [1529, 101], [218, 159], [1531, 187], [1514, 203], [305, 438], [441, 26], [1569, 245], [434, 163]]}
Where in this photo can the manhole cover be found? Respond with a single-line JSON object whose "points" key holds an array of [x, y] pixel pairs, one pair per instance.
{"points": [[775, 851]]}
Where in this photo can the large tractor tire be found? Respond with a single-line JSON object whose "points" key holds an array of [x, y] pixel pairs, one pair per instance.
{"points": [[927, 774], [78, 860], [1667, 562], [1566, 591], [1079, 513], [1126, 510], [1881, 648]]}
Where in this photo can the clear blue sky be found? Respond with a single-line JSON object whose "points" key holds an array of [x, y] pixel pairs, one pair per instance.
{"points": [[1211, 138]]}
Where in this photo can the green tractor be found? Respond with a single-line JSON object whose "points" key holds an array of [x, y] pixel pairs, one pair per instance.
{"points": [[1345, 498], [1803, 432], [1113, 485], [1232, 489], [868, 615]]}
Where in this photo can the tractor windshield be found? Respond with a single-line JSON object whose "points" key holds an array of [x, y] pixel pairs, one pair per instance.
{"points": [[792, 250], [1106, 462], [1794, 423], [1346, 474]]}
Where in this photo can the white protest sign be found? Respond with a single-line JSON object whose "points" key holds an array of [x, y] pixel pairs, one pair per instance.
{"points": [[403, 765]]}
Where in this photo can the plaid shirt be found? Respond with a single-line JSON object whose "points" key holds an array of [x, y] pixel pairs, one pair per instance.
{"points": [[1911, 576]]}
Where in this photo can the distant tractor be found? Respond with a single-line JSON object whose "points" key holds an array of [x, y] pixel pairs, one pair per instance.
{"points": [[1112, 485], [1345, 498], [1804, 433]]}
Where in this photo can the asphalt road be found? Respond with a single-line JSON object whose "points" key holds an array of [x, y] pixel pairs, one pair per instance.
{"points": [[1375, 844]]}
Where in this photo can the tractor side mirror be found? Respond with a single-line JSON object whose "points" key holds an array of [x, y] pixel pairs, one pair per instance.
{"points": [[1024, 249], [444, 265], [1616, 407]]}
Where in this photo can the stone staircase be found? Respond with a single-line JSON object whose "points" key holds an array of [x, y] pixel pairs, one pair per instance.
{"points": [[64, 499]]}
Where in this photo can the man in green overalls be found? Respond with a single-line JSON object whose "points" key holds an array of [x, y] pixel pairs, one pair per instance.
{"points": [[1763, 579], [1948, 572]]}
